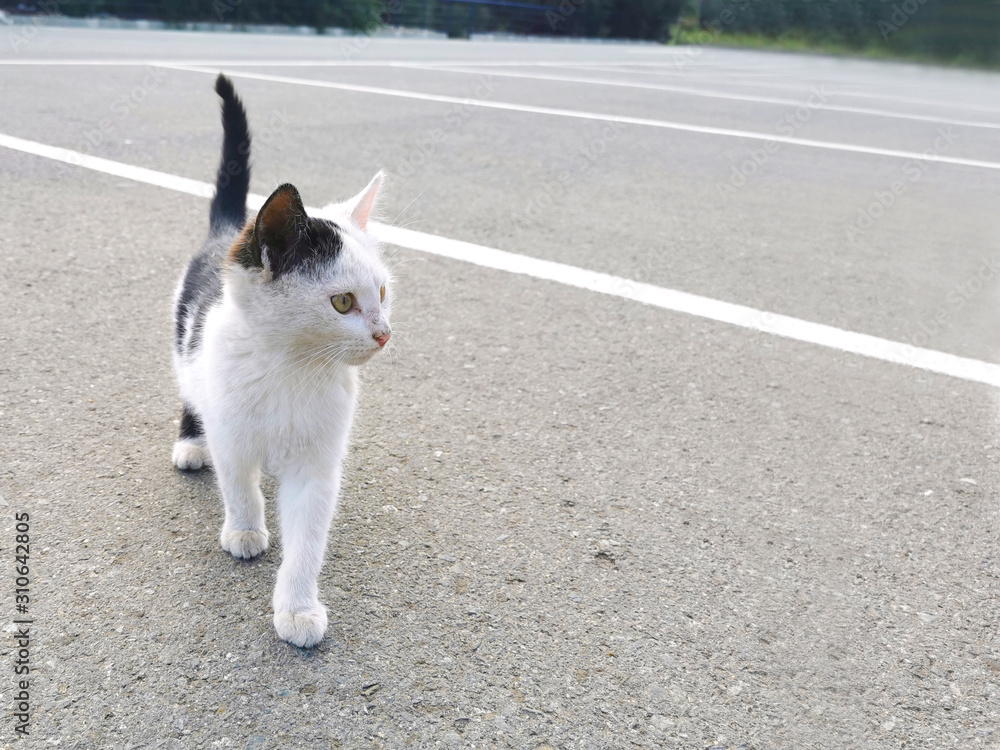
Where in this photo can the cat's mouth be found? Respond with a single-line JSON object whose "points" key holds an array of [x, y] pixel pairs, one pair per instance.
{"points": [[360, 359]]}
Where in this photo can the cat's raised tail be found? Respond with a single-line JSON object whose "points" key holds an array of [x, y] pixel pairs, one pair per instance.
{"points": [[232, 183]]}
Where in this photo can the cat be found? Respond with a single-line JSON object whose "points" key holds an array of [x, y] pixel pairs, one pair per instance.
{"points": [[273, 316]]}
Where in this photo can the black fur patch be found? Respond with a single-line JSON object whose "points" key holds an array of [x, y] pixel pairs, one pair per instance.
{"points": [[191, 427], [293, 241], [318, 243], [290, 240], [202, 284], [232, 182], [201, 288]]}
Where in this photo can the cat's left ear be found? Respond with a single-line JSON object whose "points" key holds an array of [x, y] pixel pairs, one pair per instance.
{"points": [[362, 204], [280, 218]]}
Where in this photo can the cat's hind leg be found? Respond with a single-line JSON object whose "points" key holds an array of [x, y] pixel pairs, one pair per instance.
{"points": [[190, 452], [307, 497]]}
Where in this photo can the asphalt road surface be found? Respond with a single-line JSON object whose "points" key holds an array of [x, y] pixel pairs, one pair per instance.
{"points": [[569, 519]]}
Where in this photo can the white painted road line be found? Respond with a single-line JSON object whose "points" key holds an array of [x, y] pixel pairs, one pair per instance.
{"points": [[873, 347], [624, 120], [317, 63], [719, 95], [572, 64], [614, 67]]}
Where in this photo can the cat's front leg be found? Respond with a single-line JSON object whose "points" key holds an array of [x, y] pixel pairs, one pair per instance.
{"points": [[307, 497], [244, 532]]}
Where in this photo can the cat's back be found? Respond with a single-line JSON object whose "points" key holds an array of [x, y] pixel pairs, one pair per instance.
{"points": [[199, 290]]}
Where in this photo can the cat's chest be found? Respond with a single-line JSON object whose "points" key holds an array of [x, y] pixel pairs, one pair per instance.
{"points": [[297, 415]]}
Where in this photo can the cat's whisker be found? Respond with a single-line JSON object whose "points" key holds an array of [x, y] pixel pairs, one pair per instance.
{"points": [[395, 343], [393, 222], [297, 359], [409, 223], [305, 360], [403, 261], [293, 369], [301, 360], [321, 370], [326, 354], [388, 256]]}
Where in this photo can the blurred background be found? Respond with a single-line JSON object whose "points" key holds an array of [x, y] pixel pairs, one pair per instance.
{"points": [[959, 31]]}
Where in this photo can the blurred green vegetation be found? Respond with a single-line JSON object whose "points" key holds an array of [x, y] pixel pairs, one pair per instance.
{"points": [[358, 15], [959, 31], [625, 19]]}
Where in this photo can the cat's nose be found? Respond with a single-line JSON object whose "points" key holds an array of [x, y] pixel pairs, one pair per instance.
{"points": [[382, 339]]}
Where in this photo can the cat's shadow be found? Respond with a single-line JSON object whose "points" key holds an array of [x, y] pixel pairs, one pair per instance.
{"points": [[204, 476]]}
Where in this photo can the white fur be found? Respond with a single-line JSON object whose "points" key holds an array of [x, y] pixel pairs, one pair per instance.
{"points": [[275, 384], [189, 454]]}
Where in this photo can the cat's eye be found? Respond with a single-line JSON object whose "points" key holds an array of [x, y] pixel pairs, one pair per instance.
{"points": [[342, 303], [381, 294]]}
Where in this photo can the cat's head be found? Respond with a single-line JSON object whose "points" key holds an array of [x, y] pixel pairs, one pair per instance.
{"points": [[318, 285]]}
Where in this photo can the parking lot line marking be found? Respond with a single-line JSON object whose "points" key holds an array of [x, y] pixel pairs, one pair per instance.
{"points": [[116, 168], [718, 95], [665, 69], [572, 64], [620, 119], [615, 67], [873, 347], [318, 63]]}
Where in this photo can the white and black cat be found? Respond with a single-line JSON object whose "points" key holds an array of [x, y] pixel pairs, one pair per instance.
{"points": [[273, 316]]}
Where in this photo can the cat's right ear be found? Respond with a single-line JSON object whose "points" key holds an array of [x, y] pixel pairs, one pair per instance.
{"points": [[364, 202]]}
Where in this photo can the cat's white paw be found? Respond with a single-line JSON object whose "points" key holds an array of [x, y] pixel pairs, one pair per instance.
{"points": [[244, 543], [190, 455], [303, 629]]}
